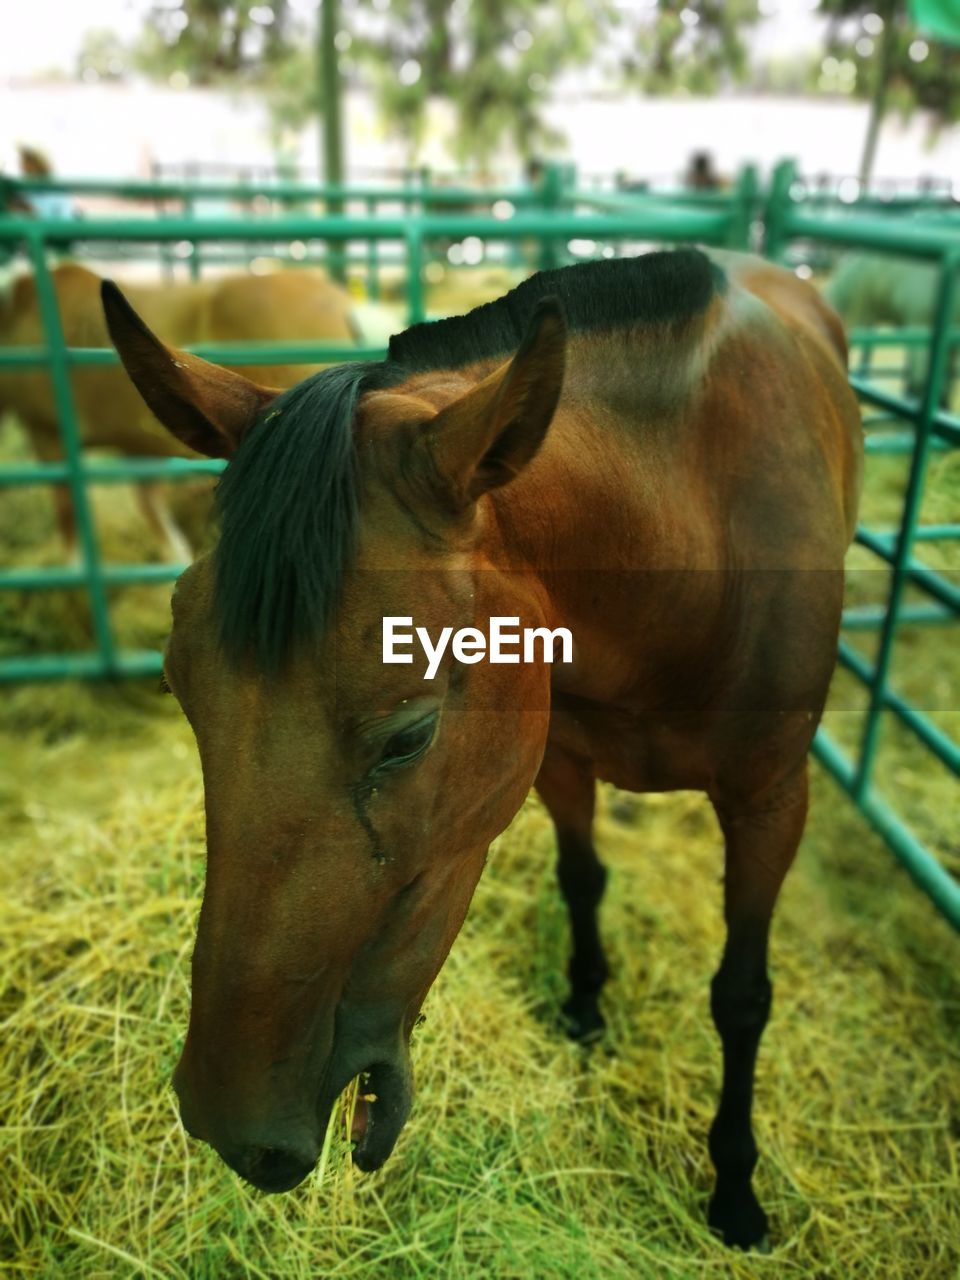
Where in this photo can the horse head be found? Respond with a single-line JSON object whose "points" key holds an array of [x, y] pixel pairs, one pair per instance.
{"points": [[349, 803]]}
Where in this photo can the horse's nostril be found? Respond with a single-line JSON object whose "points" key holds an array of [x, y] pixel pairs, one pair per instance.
{"points": [[272, 1168]]}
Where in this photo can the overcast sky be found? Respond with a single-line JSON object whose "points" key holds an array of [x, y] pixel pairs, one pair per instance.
{"points": [[46, 34], [43, 34]]}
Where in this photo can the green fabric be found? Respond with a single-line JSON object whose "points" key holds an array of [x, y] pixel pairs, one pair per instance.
{"points": [[938, 18]]}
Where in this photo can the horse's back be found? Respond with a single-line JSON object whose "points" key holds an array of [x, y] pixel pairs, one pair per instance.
{"points": [[730, 498], [742, 415], [796, 302], [109, 410], [766, 478], [782, 376], [301, 305], [785, 457]]}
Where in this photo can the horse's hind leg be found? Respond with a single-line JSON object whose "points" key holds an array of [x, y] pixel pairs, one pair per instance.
{"points": [[156, 513], [567, 788], [47, 447], [761, 840]]}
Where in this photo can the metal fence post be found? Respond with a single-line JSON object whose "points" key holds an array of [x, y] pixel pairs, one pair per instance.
{"points": [[373, 259], [70, 436], [415, 298], [778, 210], [551, 196], [743, 206], [190, 208]]}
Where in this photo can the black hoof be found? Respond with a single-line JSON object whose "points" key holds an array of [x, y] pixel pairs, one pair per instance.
{"points": [[582, 1019], [739, 1221]]}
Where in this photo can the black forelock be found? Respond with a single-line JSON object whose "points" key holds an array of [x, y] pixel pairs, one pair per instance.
{"points": [[288, 511]]}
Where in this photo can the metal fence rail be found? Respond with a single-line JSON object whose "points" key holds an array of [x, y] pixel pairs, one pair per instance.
{"points": [[931, 196], [555, 190]]}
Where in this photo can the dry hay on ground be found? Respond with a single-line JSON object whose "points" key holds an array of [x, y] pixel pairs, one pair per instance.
{"points": [[523, 1156]]}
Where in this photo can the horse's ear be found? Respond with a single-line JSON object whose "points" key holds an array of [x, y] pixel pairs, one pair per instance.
{"points": [[206, 407], [486, 438]]}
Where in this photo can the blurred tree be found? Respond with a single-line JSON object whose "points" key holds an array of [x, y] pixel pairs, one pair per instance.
{"points": [[791, 74], [208, 38], [493, 60], [876, 49], [697, 47], [293, 88], [102, 56]]}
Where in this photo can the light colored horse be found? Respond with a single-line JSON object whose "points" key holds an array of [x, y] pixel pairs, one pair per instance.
{"points": [[869, 290], [283, 305]]}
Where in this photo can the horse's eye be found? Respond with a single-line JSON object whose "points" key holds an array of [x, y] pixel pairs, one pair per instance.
{"points": [[408, 744]]}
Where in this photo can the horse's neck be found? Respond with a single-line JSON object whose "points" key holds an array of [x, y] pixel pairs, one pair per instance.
{"points": [[605, 526], [604, 493]]}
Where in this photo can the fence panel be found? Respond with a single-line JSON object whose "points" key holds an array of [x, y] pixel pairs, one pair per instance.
{"points": [[927, 428]]}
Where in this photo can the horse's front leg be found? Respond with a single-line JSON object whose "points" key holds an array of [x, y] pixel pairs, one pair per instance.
{"points": [[761, 840], [568, 789]]}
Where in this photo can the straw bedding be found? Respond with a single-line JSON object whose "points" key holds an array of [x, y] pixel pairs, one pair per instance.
{"points": [[523, 1156]]}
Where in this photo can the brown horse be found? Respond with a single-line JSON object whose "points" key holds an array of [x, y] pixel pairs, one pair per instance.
{"points": [[661, 455], [298, 304]]}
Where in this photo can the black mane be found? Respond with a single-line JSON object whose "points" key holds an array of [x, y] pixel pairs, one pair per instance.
{"points": [[288, 501], [611, 293]]}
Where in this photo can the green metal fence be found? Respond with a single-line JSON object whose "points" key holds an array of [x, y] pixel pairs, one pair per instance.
{"points": [[551, 216], [848, 193], [924, 427], [556, 190], [255, 198]]}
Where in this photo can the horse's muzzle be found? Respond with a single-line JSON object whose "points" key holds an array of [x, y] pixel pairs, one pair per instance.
{"points": [[278, 1157], [271, 1168], [391, 1086]]}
